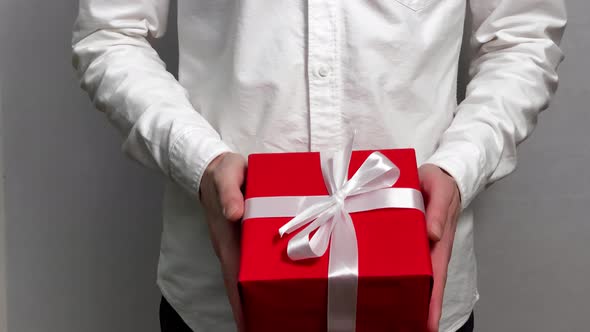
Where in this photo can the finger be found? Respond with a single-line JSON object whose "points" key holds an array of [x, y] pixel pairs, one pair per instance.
{"points": [[233, 294], [441, 254], [439, 270], [435, 310], [234, 300], [230, 260]]}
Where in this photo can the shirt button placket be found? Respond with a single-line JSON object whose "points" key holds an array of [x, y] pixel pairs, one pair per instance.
{"points": [[323, 66]]}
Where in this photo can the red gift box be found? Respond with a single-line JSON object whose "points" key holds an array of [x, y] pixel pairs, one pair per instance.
{"points": [[394, 268]]}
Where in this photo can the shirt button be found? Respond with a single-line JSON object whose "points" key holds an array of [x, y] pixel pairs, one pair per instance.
{"points": [[323, 71]]}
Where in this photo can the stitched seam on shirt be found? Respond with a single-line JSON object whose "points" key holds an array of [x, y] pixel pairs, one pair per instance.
{"points": [[414, 7], [174, 154], [176, 305], [202, 168], [458, 324], [479, 177], [135, 129], [193, 182], [453, 164], [336, 64]]}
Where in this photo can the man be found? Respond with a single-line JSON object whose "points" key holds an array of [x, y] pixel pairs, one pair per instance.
{"points": [[278, 75]]}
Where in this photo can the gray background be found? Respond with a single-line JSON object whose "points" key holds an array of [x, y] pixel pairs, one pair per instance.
{"points": [[82, 223]]}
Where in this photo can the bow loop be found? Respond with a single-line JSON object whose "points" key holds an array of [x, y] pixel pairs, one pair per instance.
{"points": [[377, 172]]}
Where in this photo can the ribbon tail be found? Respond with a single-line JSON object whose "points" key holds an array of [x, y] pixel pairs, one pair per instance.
{"points": [[342, 275]]}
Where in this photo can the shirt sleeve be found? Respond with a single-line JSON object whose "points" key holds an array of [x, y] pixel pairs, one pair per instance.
{"points": [[513, 74], [127, 80]]}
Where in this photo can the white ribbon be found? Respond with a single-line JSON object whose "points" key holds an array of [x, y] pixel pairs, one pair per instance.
{"points": [[368, 189]]}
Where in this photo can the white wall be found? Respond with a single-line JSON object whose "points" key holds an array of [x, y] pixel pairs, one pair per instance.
{"points": [[533, 232], [83, 223], [3, 7], [2, 226]]}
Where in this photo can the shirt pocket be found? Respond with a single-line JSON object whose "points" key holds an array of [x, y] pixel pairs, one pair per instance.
{"points": [[416, 5]]}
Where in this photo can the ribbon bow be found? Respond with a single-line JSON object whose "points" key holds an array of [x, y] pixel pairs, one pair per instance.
{"points": [[334, 225]]}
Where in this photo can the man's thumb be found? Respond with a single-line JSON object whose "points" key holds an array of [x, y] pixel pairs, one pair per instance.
{"points": [[232, 200], [435, 230], [229, 178], [436, 216]]}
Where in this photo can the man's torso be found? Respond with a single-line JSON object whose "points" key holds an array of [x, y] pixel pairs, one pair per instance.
{"points": [[300, 75]]}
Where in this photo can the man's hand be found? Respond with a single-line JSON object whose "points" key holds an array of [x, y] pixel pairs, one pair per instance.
{"points": [[223, 201], [443, 204]]}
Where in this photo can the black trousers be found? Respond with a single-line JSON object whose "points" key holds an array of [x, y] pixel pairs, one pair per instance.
{"points": [[170, 321]]}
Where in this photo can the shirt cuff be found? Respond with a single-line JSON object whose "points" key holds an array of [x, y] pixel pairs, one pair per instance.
{"points": [[463, 161], [190, 154]]}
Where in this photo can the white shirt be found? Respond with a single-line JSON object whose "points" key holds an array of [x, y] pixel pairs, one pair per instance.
{"points": [[294, 75]]}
